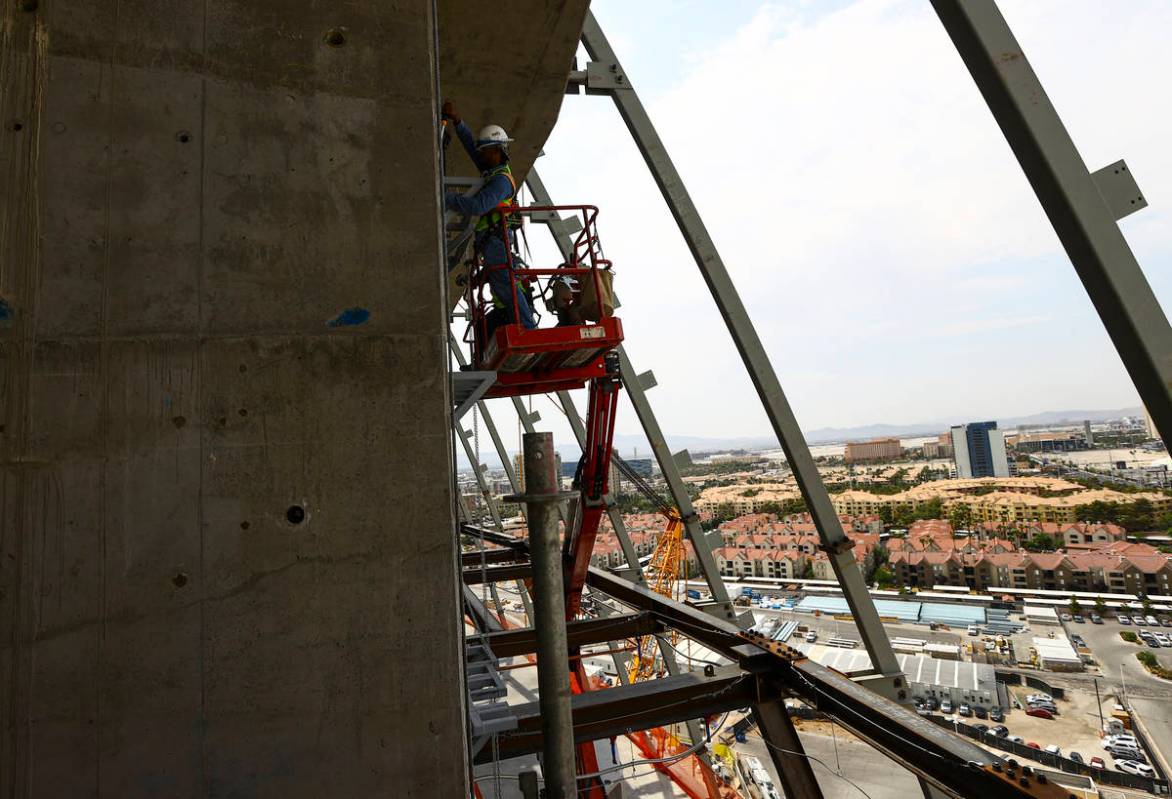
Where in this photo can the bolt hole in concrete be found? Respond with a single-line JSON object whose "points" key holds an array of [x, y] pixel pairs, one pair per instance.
{"points": [[183, 136], [179, 580], [16, 126], [29, 5], [243, 411], [335, 38], [295, 514], [243, 525]]}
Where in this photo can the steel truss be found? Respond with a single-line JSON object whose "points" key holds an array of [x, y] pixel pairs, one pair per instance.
{"points": [[1083, 208], [761, 674]]}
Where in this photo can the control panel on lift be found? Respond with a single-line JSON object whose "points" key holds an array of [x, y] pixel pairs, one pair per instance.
{"points": [[578, 292]]}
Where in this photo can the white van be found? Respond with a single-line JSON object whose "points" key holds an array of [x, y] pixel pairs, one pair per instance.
{"points": [[974, 629]]}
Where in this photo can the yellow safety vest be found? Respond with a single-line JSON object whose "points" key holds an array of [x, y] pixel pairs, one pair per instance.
{"points": [[493, 217]]}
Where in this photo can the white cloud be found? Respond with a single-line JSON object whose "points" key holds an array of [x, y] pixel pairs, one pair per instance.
{"points": [[881, 233]]}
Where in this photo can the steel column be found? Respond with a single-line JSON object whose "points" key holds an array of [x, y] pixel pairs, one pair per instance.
{"points": [[786, 750], [1077, 209], [748, 343], [549, 621]]}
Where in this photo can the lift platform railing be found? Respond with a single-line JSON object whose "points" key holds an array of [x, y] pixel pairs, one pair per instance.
{"points": [[586, 263]]}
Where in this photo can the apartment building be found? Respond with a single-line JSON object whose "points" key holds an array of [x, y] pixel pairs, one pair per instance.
{"points": [[876, 450], [1116, 567]]}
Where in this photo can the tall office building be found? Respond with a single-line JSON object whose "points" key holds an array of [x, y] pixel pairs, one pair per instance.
{"points": [[978, 449]]}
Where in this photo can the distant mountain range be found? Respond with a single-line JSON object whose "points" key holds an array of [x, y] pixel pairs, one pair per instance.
{"points": [[628, 445]]}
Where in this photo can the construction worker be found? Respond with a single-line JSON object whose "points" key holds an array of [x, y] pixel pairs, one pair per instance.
{"points": [[489, 151]]}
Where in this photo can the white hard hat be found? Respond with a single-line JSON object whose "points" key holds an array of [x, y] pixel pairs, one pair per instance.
{"points": [[492, 136]]}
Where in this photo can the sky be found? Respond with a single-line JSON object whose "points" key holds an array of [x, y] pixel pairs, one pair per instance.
{"points": [[887, 246]]}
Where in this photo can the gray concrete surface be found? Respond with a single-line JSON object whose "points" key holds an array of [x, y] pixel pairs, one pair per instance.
{"points": [[191, 193], [840, 761]]}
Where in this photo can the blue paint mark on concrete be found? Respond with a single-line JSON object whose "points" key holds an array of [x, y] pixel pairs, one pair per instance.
{"points": [[351, 317], [6, 312]]}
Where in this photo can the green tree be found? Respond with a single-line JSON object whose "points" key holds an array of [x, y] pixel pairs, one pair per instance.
{"points": [[1100, 606], [884, 578], [1075, 608], [793, 506], [960, 516], [1041, 542]]}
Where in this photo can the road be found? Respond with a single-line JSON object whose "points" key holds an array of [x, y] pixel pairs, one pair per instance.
{"points": [[875, 775]]}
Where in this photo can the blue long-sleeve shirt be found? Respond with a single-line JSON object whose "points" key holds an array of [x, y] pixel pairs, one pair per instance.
{"points": [[491, 194]]}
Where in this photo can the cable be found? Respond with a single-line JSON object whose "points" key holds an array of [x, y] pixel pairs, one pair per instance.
{"points": [[838, 774]]}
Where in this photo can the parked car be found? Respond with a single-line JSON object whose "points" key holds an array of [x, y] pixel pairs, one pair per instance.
{"points": [[980, 712], [946, 706], [1096, 618], [811, 637], [1127, 753], [1039, 698], [1152, 643], [1122, 738], [1152, 621], [1079, 619], [981, 728], [996, 715], [932, 703], [1000, 730], [1138, 621], [1075, 756], [1078, 640], [1054, 749], [1097, 762], [1066, 617], [1166, 622], [1040, 712], [1017, 739], [1124, 620], [1033, 745], [1132, 767], [964, 710], [1164, 639]]}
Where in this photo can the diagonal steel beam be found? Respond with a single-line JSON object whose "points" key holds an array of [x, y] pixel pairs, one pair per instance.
{"points": [[728, 301], [1078, 203]]}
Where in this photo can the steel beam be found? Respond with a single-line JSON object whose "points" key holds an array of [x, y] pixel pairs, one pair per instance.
{"points": [[469, 560], [786, 750], [748, 343], [484, 621], [1074, 201], [496, 574], [501, 452], [579, 633], [952, 763], [638, 706]]}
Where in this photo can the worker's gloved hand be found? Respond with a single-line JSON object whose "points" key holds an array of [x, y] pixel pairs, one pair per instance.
{"points": [[448, 111]]}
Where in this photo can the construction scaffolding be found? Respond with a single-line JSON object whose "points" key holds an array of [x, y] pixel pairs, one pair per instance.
{"points": [[639, 620]]}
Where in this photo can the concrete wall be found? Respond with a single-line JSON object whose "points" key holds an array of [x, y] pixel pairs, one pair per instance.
{"points": [[189, 193]]}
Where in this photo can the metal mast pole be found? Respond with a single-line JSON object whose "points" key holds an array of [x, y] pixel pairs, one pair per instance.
{"points": [[549, 621], [1083, 207], [605, 76]]}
